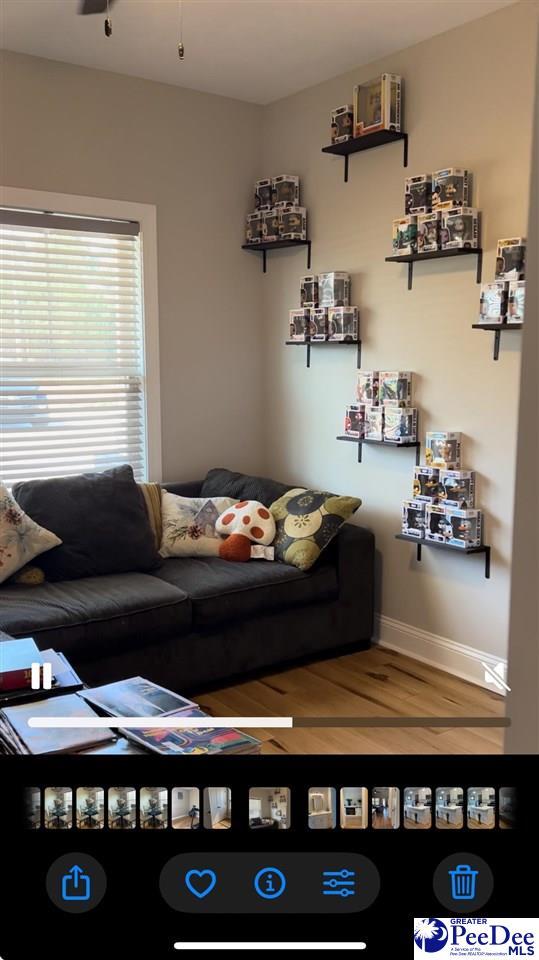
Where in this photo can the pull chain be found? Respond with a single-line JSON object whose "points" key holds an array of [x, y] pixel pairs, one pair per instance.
{"points": [[181, 48], [108, 22]]}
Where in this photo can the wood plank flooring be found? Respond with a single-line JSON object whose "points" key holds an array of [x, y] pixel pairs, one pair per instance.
{"points": [[370, 683]]}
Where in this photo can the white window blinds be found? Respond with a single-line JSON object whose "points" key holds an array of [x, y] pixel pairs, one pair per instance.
{"points": [[72, 388]]}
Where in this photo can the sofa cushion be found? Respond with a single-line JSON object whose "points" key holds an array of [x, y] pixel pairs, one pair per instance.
{"points": [[96, 616], [101, 519], [221, 590], [241, 486]]}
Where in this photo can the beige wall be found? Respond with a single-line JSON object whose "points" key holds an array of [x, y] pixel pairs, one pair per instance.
{"points": [[73, 130], [467, 103]]}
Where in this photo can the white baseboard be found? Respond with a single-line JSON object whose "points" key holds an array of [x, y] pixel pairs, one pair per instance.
{"points": [[456, 658]]}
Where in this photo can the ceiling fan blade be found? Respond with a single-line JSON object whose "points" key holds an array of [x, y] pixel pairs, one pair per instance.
{"points": [[94, 6]]}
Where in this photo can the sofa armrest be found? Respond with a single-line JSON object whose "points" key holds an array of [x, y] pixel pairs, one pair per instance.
{"points": [[184, 488], [355, 573]]}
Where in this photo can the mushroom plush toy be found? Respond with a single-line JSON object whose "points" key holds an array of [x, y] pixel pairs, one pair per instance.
{"points": [[245, 525]]}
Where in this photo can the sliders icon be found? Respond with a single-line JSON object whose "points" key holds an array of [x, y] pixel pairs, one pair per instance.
{"points": [[340, 883]]}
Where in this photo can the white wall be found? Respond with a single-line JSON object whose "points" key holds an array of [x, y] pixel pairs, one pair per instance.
{"points": [[462, 107]]}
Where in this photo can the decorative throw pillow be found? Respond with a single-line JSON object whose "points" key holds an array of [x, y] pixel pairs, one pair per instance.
{"points": [[21, 539], [307, 521], [221, 482], [101, 519], [189, 525]]}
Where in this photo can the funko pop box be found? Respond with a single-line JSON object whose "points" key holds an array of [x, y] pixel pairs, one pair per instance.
{"points": [[367, 386], [342, 124], [354, 421], [319, 323], [377, 105], [464, 527], [418, 194], [414, 515], [254, 230], [460, 228], [493, 301], [457, 488], [285, 190], [405, 236], [426, 484], [309, 291], [293, 223], [300, 324], [395, 387], [517, 301], [442, 449], [400, 424], [271, 224], [263, 194], [334, 289], [451, 188], [374, 422], [429, 231], [511, 259], [343, 323]]}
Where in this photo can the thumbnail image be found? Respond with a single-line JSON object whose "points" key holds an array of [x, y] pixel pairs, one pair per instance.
{"points": [[417, 808], [481, 808], [185, 808], [122, 808], [217, 808], [449, 808], [322, 808], [508, 808], [90, 808], [269, 808], [32, 808], [58, 808], [153, 810], [354, 808], [385, 804]]}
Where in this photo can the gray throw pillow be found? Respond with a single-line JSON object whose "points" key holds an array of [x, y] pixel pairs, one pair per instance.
{"points": [[101, 519]]}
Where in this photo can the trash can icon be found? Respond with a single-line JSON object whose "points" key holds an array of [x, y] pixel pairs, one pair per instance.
{"points": [[463, 882]]}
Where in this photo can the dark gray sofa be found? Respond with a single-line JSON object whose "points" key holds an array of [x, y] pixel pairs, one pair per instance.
{"points": [[196, 622]]}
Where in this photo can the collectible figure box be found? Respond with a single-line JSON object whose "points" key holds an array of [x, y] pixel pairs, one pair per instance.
{"points": [[354, 421], [414, 516], [400, 424], [367, 386], [442, 449], [293, 223], [342, 124], [285, 191], [464, 528], [271, 223], [319, 323], [300, 324], [427, 484], [493, 302], [309, 291], [429, 231], [457, 488], [395, 387], [263, 195], [377, 105], [437, 526], [418, 194], [334, 289], [450, 188], [511, 259], [254, 232], [517, 300], [343, 323], [374, 423], [405, 236], [460, 228]]}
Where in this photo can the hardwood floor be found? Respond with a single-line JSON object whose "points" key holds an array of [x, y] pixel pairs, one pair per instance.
{"points": [[184, 823], [371, 683]]}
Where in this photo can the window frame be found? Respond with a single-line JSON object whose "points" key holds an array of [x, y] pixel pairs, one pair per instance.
{"points": [[146, 215]]}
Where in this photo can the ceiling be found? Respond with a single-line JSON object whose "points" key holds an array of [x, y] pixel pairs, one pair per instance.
{"points": [[254, 50]]}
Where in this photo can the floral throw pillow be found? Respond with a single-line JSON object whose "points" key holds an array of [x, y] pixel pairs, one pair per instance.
{"points": [[189, 524], [21, 539], [307, 520]]}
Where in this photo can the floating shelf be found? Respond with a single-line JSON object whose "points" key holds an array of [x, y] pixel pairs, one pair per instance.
{"points": [[326, 343], [412, 258], [382, 443], [370, 140], [497, 328], [277, 245], [484, 548]]}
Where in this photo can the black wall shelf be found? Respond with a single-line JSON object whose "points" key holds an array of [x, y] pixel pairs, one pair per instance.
{"points": [[277, 245], [484, 548], [497, 328], [370, 140], [325, 343], [412, 258], [382, 443]]}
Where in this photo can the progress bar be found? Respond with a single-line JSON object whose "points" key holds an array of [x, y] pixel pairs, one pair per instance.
{"points": [[184, 723], [264, 945]]}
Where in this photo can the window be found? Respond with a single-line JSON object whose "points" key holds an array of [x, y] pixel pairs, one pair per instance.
{"points": [[73, 387]]}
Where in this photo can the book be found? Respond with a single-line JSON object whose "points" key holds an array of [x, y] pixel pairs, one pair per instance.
{"points": [[65, 680], [35, 740], [192, 741], [16, 659], [135, 697]]}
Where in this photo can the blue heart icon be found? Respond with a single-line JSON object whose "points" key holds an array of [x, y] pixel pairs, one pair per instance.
{"points": [[205, 881]]}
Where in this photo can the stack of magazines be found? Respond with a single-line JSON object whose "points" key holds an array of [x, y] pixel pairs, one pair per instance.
{"points": [[135, 697]]}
